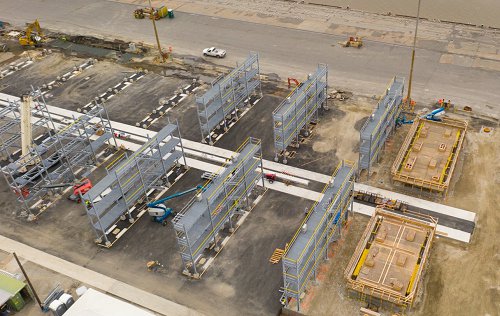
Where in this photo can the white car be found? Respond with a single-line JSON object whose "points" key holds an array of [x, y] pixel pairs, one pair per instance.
{"points": [[214, 52]]}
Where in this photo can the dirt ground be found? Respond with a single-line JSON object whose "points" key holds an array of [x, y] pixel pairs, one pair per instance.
{"points": [[455, 270], [241, 280]]}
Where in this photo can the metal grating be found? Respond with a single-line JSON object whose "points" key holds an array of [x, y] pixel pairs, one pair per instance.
{"points": [[309, 245], [381, 124], [198, 225], [57, 156], [299, 109], [127, 183], [227, 95]]}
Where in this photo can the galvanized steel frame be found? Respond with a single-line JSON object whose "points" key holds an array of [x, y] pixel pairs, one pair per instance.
{"points": [[115, 195], [227, 95], [381, 124], [63, 155], [299, 109], [198, 224], [322, 225]]}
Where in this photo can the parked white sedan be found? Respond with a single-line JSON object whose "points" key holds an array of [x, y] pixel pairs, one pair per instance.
{"points": [[214, 52]]}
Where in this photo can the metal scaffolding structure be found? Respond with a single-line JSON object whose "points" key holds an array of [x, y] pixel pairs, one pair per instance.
{"points": [[57, 155], [131, 180], [381, 124], [200, 223], [322, 225], [299, 109], [10, 130], [227, 95]]}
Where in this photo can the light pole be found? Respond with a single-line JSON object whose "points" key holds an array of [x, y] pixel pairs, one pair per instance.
{"points": [[408, 97]]}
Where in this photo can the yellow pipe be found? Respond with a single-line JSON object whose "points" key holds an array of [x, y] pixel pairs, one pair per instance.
{"points": [[360, 263], [412, 279]]}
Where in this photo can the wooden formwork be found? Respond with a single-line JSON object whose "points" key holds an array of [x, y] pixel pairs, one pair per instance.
{"points": [[429, 154], [388, 262]]}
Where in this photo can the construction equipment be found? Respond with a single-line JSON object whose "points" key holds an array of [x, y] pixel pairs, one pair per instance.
{"points": [[353, 41], [290, 80], [79, 188], [434, 115], [153, 13], [33, 35], [139, 13], [159, 212], [155, 266], [401, 120], [271, 177]]}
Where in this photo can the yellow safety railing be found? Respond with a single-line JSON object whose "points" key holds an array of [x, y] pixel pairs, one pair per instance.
{"points": [[346, 163], [410, 146], [315, 246], [223, 217], [231, 191], [112, 163]]}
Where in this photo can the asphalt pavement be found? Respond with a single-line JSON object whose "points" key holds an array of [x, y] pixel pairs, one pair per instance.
{"points": [[287, 52]]}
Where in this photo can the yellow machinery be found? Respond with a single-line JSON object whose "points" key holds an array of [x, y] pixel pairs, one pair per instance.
{"points": [[33, 35], [153, 13], [353, 41]]}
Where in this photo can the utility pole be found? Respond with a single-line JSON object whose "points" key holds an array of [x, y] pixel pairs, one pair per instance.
{"points": [[156, 32], [408, 97], [29, 282]]}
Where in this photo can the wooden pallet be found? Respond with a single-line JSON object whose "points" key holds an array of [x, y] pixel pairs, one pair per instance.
{"points": [[277, 255]]}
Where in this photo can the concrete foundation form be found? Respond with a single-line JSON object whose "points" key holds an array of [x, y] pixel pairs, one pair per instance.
{"points": [[429, 154], [387, 265]]}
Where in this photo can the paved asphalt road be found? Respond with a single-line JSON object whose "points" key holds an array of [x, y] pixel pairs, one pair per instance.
{"points": [[287, 52]]}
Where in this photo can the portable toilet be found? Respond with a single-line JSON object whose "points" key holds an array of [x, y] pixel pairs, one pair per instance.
{"points": [[58, 308], [67, 300]]}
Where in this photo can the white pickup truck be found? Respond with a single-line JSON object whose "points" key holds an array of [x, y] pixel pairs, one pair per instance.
{"points": [[214, 52]]}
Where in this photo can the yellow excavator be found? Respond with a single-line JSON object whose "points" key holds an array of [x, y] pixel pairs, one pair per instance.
{"points": [[33, 35]]}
